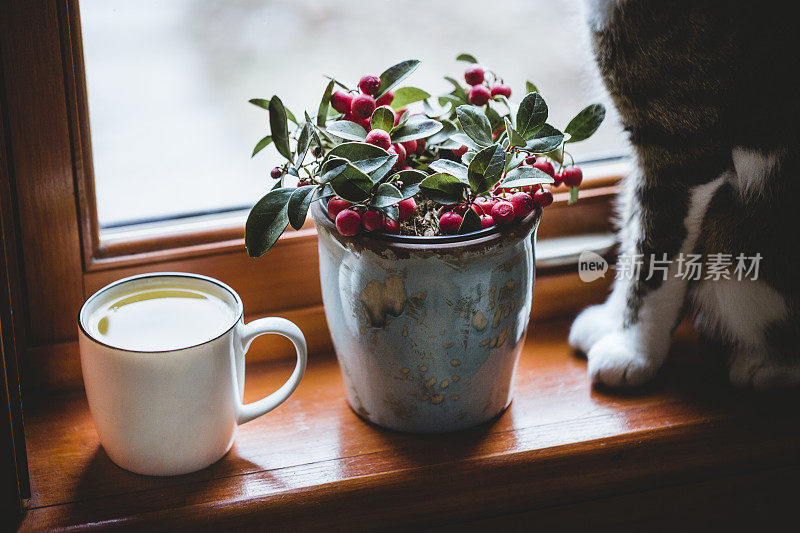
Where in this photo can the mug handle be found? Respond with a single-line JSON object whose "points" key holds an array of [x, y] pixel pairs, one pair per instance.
{"points": [[262, 326]]}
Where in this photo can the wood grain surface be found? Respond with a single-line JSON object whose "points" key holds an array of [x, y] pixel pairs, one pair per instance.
{"points": [[313, 464]]}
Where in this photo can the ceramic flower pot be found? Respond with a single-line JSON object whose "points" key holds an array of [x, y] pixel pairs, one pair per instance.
{"points": [[427, 330]]}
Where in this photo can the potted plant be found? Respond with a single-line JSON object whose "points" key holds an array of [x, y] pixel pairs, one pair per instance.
{"points": [[425, 208]]}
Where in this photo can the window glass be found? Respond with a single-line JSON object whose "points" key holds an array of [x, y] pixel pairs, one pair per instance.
{"points": [[168, 81]]}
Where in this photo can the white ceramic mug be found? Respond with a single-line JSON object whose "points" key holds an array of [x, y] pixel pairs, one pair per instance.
{"points": [[176, 411]]}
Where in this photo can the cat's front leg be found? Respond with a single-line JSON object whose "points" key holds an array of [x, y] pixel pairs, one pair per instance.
{"points": [[654, 291]]}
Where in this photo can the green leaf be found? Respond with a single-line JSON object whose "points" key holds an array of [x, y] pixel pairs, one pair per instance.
{"points": [[297, 208], [416, 129], [395, 74], [525, 177], [352, 184], [443, 188], [356, 151], [381, 173], [344, 129], [408, 95], [458, 90], [470, 223], [391, 211], [368, 166], [573, 195], [279, 127], [530, 87], [464, 140], [382, 119], [486, 168], [513, 136], [263, 143], [448, 128], [475, 124], [411, 180], [450, 167], [451, 100], [267, 221], [556, 155], [495, 120], [303, 142], [322, 112], [546, 140], [466, 57], [531, 115], [585, 123], [263, 103], [386, 195]]}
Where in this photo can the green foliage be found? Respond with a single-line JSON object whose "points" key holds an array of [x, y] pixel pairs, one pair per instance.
{"points": [[331, 157], [585, 123], [395, 74], [382, 119], [486, 169], [408, 95]]}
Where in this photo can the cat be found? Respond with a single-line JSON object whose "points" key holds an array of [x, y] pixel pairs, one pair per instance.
{"points": [[707, 94]]}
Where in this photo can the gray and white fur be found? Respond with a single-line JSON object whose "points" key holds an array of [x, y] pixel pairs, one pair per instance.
{"points": [[704, 93]]}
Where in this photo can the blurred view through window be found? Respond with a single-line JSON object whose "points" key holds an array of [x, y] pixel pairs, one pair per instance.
{"points": [[168, 81]]}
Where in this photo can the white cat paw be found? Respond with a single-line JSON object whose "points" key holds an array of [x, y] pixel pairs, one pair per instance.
{"points": [[591, 325], [615, 361], [754, 369]]}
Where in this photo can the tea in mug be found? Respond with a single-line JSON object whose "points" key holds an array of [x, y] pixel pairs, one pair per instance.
{"points": [[161, 318]]}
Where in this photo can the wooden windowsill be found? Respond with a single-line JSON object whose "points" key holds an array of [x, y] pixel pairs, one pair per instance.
{"points": [[561, 444]]}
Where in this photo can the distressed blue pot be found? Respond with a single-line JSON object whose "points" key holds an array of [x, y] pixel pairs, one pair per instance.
{"points": [[427, 330]]}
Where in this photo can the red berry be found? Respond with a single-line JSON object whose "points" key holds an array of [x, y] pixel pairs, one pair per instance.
{"points": [[458, 152], [530, 160], [369, 84], [410, 146], [483, 206], [348, 222], [503, 213], [276, 173], [391, 226], [487, 221], [501, 89], [479, 95], [379, 138], [420, 145], [474, 75], [407, 208], [398, 115], [386, 99], [362, 107], [336, 206], [559, 178], [401, 154], [543, 197], [303, 183], [449, 223], [372, 220], [573, 176], [341, 101], [545, 166], [523, 204]]}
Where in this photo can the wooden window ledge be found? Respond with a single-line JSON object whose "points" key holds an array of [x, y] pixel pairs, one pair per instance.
{"points": [[563, 456]]}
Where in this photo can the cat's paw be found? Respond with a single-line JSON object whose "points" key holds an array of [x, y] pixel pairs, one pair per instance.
{"points": [[591, 325], [755, 369], [614, 360]]}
